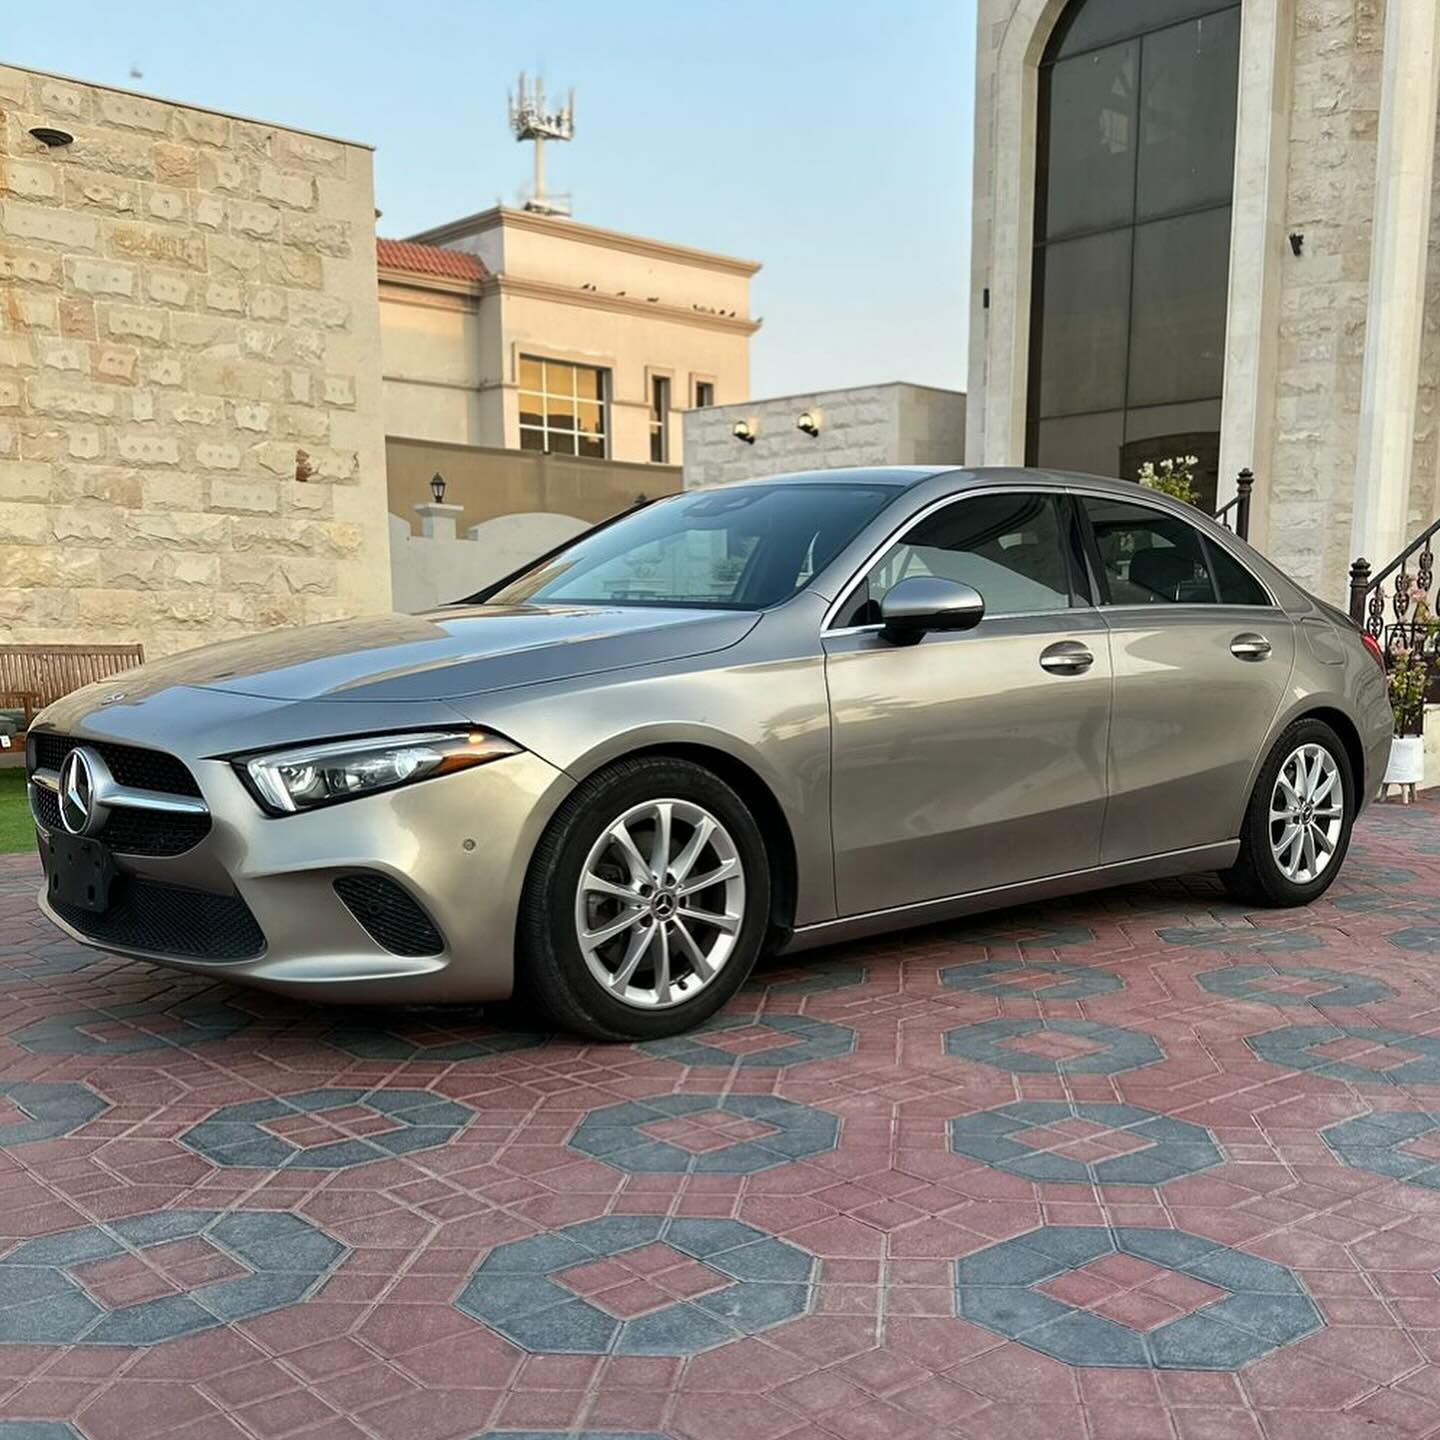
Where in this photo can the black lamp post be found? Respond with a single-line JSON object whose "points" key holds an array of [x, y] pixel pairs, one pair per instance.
{"points": [[437, 487]]}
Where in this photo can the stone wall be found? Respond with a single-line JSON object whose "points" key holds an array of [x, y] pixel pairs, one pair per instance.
{"points": [[187, 302], [1330, 198], [894, 424]]}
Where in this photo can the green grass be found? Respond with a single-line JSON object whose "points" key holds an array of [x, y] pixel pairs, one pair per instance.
{"points": [[17, 830]]}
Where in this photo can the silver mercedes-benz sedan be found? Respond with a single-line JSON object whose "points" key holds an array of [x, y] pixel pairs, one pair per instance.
{"points": [[778, 713]]}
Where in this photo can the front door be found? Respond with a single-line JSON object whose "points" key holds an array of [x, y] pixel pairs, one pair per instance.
{"points": [[977, 759], [1202, 662]]}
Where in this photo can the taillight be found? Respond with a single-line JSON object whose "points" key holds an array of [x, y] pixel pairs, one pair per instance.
{"points": [[1373, 646]]}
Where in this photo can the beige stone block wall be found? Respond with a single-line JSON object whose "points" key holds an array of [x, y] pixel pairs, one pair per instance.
{"points": [[1330, 199], [187, 300]]}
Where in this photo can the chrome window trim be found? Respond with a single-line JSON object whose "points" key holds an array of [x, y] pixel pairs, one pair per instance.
{"points": [[1080, 492], [939, 503]]}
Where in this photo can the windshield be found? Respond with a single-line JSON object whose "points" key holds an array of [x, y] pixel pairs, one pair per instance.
{"points": [[740, 549]]}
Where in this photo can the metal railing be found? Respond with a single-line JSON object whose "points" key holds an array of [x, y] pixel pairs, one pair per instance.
{"points": [[1234, 514], [1409, 594]]}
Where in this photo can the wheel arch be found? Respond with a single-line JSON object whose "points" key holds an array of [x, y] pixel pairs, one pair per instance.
{"points": [[1349, 734], [759, 797]]}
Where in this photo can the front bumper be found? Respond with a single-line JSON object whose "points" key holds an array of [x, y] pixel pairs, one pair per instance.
{"points": [[458, 845]]}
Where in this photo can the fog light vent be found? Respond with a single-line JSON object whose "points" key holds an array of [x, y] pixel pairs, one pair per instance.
{"points": [[390, 914]]}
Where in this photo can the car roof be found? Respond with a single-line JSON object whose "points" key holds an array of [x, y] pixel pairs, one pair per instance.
{"points": [[906, 477]]}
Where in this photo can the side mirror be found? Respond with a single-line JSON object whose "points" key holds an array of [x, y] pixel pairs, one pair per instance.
{"points": [[923, 603]]}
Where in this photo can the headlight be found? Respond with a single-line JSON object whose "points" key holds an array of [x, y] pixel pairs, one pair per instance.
{"points": [[312, 775]]}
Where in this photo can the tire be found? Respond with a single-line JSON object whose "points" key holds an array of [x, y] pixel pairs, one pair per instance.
{"points": [[1258, 877], [562, 975]]}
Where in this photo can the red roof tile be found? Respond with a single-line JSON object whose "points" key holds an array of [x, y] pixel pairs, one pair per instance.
{"points": [[428, 260]]}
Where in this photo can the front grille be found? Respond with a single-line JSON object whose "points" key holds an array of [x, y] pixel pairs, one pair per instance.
{"points": [[130, 764], [390, 914], [127, 832], [170, 920]]}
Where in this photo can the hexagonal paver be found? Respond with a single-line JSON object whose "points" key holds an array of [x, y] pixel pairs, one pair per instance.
{"points": [[328, 1129], [37, 1430], [1134, 1298], [770, 1042], [1053, 1047], [1355, 1053], [1294, 985], [533, 1435], [1398, 1144], [1424, 938], [1244, 939], [428, 1038], [1080, 1144], [1039, 979], [818, 979], [132, 1029], [1043, 936], [44, 1112], [157, 1277], [705, 1134], [550, 1294]]}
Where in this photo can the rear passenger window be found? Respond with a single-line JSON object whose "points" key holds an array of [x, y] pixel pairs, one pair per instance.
{"points": [[1012, 548], [1149, 557], [1237, 586]]}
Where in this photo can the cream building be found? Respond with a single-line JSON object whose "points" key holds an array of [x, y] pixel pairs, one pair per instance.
{"points": [[517, 330], [1206, 226], [190, 434]]}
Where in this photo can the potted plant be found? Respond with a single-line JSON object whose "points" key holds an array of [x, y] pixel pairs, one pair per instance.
{"points": [[1409, 678], [1174, 477]]}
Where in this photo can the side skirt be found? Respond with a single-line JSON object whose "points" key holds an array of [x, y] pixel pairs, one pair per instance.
{"points": [[927, 912]]}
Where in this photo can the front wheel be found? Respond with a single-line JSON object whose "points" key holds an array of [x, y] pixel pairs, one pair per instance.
{"points": [[1297, 827], [646, 904]]}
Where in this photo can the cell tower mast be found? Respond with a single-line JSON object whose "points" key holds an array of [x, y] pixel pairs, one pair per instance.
{"points": [[530, 120]]}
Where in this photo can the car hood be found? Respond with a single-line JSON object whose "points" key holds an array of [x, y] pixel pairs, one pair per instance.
{"points": [[442, 654]]}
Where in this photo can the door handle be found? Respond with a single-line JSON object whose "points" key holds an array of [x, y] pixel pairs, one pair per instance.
{"points": [[1250, 647], [1066, 657]]}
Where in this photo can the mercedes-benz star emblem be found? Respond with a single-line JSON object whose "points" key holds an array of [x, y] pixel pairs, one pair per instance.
{"points": [[79, 812]]}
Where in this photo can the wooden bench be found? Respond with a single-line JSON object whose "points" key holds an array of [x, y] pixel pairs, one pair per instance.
{"points": [[34, 676]]}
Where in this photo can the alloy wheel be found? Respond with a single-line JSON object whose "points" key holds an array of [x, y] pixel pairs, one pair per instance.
{"points": [[1307, 813], [660, 903]]}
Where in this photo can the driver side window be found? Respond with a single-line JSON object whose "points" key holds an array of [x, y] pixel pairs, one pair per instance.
{"points": [[1011, 548]]}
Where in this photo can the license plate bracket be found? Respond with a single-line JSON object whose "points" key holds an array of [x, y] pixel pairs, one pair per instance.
{"points": [[79, 872]]}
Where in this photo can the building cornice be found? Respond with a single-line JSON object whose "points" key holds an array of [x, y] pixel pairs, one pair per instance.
{"points": [[429, 289], [589, 234], [620, 304]]}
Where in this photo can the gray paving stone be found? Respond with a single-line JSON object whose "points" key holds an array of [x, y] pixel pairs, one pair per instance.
{"points": [[984, 1042], [807, 1040], [1060, 980], [1246, 982]]}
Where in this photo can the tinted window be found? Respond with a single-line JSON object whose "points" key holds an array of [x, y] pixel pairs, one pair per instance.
{"points": [[1237, 586], [1149, 557], [742, 548], [1009, 547], [1135, 154]]}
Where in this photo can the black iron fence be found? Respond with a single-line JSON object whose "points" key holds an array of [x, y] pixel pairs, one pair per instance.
{"points": [[1234, 514]]}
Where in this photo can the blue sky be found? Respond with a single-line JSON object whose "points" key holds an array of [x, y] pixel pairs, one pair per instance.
{"points": [[830, 139]]}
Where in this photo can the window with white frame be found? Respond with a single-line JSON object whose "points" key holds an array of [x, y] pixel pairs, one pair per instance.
{"points": [[660, 419], [563, 408]]}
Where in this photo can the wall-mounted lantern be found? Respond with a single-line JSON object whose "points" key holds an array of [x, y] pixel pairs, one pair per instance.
{"points": [[808, 421], [742, 430]]}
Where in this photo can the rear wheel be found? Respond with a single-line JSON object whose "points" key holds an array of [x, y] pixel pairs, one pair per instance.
{"points": [[646, 904], [1297, 827]]}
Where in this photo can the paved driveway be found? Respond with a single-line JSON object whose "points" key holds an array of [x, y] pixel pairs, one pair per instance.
{"points": [[1140, 1165]]}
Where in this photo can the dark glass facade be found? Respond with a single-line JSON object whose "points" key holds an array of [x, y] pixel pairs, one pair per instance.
{"points": [[1136, 147]]}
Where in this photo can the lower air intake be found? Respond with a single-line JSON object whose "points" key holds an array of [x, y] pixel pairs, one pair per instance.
{"points": [[390, 914]]}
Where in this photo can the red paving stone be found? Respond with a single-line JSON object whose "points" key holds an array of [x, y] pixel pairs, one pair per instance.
{"points": [[379, 1350]]}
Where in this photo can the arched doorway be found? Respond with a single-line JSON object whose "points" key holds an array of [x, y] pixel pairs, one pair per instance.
{"points": [[1134, 173]]}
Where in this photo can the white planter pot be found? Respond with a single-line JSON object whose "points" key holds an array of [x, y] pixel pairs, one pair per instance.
{"points": [[1407, 760]]}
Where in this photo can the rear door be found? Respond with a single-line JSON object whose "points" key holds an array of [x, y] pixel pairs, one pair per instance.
{"points": [[974, 759], [1202, 659]]}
